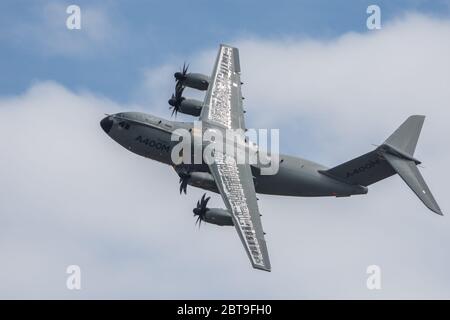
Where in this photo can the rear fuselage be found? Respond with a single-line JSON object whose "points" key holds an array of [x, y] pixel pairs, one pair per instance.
{"points": [[150, 137]]}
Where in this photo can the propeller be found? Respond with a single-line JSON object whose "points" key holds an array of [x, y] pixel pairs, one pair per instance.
{"points": [[175, 100], [177, 97], [200, 210], [184, 179], [181, 76]]}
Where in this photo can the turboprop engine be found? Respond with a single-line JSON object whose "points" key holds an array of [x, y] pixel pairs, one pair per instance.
{"points": [[220, 217], [187, 106], [192, 80]]}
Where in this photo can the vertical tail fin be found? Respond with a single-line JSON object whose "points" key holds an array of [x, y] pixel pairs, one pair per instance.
{"points": [[404, 139]]}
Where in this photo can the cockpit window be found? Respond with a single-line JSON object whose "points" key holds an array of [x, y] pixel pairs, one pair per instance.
{"points": [[124, 125]]}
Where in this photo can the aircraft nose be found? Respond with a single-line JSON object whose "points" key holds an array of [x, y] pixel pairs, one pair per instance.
{"points": [[106, 124]]}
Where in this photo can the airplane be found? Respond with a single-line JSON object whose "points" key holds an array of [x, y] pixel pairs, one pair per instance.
{"points": [[238, 183]]}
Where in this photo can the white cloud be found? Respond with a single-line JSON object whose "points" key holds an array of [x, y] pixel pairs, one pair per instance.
{"points": [[353, 85], [70, 195]]}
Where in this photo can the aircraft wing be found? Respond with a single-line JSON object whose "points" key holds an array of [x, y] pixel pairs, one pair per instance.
{"points": [[223, 110], [223, 100], [235, 183]]}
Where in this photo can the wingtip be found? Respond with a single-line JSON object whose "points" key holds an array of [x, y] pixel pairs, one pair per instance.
{"points": [[263, 268], [419, 116], [227, 45]]}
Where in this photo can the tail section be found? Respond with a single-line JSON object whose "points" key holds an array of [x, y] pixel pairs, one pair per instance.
{"points": [[404, 139], [395, 155], [364, 170]]}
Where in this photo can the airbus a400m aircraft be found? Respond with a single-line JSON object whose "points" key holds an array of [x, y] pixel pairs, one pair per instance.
{"points": [[222, 109]]}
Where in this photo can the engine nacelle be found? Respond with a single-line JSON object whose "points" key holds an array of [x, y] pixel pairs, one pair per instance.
{"points": [[191, 106], [203, 180], [220, 217], [196, 80]]}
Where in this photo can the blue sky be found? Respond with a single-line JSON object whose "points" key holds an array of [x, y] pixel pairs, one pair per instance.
{"points": [[149, 33]]}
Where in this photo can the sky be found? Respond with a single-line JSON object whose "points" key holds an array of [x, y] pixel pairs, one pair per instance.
{"points": [[72, 196]]}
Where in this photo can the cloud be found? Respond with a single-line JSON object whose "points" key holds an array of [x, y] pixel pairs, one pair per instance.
{"points": [[70, 195], [352, 85]]}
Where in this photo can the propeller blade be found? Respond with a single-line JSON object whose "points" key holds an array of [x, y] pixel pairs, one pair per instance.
{"points": [[183, 186], [200, 210], [179, 88], [184, 180], [199, 221]]}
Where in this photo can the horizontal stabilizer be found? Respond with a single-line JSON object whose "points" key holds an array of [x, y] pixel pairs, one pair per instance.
{"points": [[408, 171]]}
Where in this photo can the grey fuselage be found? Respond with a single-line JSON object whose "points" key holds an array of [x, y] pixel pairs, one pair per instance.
{"points": [[150, 137]]}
